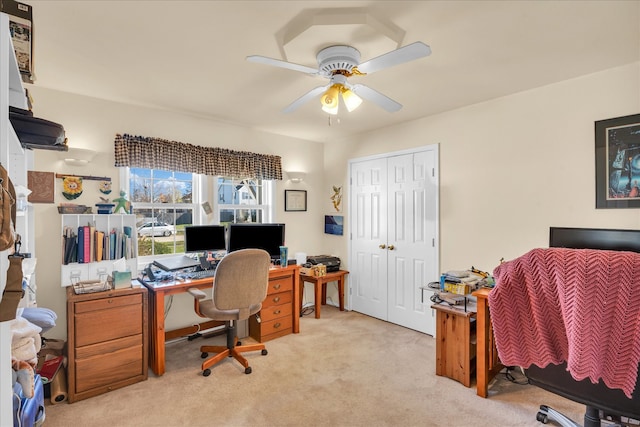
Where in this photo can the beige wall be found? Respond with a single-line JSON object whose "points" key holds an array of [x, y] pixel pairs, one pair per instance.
{"points": [[91, 123], [509, 169], [512, 167]]}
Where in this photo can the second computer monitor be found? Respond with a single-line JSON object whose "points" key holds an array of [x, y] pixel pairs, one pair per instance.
{"points": [[261, 236]]}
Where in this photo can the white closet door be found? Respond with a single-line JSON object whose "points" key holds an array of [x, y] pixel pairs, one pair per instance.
{"points": [[410, 239], [394, 237], [368, 261]]}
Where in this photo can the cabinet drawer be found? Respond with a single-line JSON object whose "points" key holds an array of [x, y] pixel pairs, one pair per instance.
{"points": [[281, 284], [275, 312], [104, 325], [107, 303], [107, 369], [277, 299], [108, 347], [276, 325]]}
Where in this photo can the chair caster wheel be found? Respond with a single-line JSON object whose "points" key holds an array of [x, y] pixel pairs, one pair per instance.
{"points": [[541, 417], [204, 355], [206, 372], [265, 352], [247, 370], [239, 343]]}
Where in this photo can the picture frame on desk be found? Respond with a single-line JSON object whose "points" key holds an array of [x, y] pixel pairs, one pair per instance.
{"points": [[617, 152], [295, 200]]}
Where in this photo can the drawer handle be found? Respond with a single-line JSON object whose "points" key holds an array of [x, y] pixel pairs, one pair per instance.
{"points": [[277, 325], [277, 286], [276, 312], [276, 299], [110, 301]]}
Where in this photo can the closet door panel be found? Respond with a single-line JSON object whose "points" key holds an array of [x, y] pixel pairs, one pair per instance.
{"points": [[369, 258], [407, 243]]}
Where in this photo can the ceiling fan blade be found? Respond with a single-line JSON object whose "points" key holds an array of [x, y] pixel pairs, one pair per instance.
{"points": [[304, 98], [383, 101], [282, 64], [395, 57]]}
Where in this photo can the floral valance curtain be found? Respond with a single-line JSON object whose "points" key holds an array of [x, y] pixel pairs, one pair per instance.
{"points": [[155, 153]]}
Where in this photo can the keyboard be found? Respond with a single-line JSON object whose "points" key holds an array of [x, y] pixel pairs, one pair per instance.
{"points": [[201, 274]]}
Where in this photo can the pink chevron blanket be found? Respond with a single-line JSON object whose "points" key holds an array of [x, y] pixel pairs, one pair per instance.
{"points": [[581, 306]]}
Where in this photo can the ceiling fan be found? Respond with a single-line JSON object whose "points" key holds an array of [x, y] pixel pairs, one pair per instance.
{"points": [[337, 63]]}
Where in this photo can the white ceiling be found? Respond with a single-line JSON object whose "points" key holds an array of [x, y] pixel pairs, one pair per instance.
{"points": [[189, 56]]}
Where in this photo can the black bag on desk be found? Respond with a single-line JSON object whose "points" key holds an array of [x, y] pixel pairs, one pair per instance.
{"points": [[37, 133]]}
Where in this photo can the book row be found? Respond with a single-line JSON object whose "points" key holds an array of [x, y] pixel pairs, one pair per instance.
{"points": [[85, 244]]}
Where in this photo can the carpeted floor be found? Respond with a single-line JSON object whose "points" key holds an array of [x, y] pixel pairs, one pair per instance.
{"points": [[345, 369]]}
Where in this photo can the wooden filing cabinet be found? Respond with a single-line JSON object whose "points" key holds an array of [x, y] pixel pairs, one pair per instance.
{"points": [[106, 341], [279, 308]]}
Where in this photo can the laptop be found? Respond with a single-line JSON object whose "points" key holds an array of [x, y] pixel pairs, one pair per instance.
{"points": [[176, 263]]}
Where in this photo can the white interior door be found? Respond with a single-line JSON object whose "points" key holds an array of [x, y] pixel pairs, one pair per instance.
{"points": [[394, 241], [410, 239], [368, 260]]}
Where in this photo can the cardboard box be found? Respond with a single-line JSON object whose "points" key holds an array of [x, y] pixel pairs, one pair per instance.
{"points": [[21, 26], [317, 270]]}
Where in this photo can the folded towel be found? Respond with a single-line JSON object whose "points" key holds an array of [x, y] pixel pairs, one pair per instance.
{"points": [[25, 340]]}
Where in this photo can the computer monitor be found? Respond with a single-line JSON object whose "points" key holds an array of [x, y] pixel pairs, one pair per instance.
{"points": [[204, 238], [594, 238], [261, 236]]}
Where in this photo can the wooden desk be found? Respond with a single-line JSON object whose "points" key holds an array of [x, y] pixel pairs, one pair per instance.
{"points": [[455, 343], [487, 362], [157, 293], [320, 288]]}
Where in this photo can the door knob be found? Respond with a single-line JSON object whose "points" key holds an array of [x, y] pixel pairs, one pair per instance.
{"points": [[382, 246], [391, 247]]}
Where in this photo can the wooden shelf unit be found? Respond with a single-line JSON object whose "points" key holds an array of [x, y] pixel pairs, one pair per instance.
{"points": [[455, 343], [105, 223]]}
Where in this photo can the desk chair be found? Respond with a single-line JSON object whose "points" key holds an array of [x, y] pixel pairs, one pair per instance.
{"points": [[240, 286]]}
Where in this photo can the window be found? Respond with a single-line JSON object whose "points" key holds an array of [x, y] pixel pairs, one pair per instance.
{"points": [[164, 202], [242, 200]]}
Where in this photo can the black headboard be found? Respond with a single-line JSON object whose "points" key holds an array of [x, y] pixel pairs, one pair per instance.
{"points": [[594, 238]]}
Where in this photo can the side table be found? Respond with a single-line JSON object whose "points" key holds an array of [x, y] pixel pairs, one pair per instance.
{"points": [[320, 288], [455, 343]]}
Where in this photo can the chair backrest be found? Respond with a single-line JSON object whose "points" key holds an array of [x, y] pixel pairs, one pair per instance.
{"points": [[241, 279]]}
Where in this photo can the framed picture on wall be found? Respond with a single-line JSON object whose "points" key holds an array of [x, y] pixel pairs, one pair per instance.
{"points": [[618, 162], [295, 200], [334, 224]]}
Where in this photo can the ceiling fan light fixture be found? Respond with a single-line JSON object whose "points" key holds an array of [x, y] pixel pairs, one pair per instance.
{"points": [[329, 99], [351, 100]]}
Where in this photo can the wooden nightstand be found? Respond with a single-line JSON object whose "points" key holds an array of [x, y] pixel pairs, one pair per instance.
{"points": [[455, 343]]}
